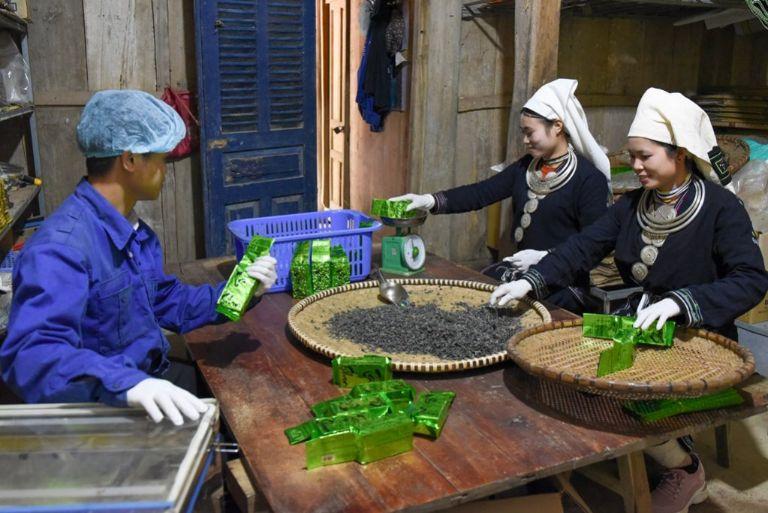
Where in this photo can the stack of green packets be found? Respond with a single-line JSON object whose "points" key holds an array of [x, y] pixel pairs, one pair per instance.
{"points": [[240, 287], [375, 420], [651, 411], [318, 266], [393, 209], [625, 337]]}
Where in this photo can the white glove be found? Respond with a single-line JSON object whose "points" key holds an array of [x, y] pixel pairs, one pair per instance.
{"points": [[423, 202], [263, 269], [159, 397], [662, 311], [508, 291], [522, 260]]}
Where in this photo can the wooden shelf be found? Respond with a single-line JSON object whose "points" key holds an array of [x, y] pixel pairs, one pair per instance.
{"points": [[12, 22], [22, 200], [13, 111], [610, 8]]}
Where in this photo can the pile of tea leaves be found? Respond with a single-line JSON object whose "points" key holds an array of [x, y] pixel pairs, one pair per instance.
{"points": [[467, 332]]}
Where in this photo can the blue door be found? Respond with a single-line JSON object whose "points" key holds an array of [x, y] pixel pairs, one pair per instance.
{"points": [[256, 82]]}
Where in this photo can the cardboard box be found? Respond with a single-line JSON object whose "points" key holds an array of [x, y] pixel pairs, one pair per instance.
{"points": [[760, 312]]}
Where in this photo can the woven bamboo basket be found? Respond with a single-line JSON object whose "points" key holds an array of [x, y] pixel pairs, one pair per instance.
{"points": [[699, 363], [306, 320]]}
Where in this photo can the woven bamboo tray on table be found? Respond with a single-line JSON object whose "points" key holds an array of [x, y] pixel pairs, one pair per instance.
{"points": [[700, 362], [306, 320]]}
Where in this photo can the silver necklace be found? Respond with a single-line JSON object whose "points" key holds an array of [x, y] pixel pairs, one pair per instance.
{"points": [[658, 221], [539, 188]]}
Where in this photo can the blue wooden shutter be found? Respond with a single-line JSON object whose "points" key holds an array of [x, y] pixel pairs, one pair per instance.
{"points": [[256, 65]]}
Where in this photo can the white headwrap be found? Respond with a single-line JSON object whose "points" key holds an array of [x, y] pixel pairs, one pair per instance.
{"points": [[557, 100], [672, 118]]}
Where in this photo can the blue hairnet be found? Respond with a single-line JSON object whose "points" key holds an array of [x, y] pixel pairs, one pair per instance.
{"points": [[116, 121]]}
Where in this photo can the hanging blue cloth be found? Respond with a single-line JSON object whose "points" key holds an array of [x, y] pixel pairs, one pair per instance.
{"points": [[365, 101]]}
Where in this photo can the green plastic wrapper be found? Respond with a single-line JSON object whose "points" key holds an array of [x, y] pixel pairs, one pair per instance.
{"points": [[321, 264], [340, 266], [384, 438], [331, 449], [238, 291], [349, 371], [374, 405], [392, 209], [621, 329], [302, 432], [399, 392], [619, 357], [652, 411], [301, 274], [430, 411]]}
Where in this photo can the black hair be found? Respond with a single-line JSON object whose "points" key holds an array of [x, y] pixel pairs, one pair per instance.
{"points": [[98, 167], [532, 114]]}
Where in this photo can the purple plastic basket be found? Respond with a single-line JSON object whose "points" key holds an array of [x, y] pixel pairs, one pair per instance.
{"points": [[341, 226]]}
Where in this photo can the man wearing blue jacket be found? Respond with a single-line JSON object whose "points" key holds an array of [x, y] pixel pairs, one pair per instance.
{"points": [[90, 295]]}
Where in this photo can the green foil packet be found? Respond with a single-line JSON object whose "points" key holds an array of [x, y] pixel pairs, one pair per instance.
{"points": [[652, 411], [240, 287], [621, 329], [374, 405], [321, 264], [301, 273], [349, 371], [392, 209], [302, 432], [340, 267], [399, 392], [384, 438], [331, 449], [430, 411], [619, 357]]}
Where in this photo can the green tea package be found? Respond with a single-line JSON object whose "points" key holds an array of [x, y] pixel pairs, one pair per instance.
{"points": [[349, 371], [652, 411], [341, 269], [321, 264], [301, 273], [331, 449], [399, 392], [619, 357], [374, 405], [429, 412], [385, 437], [240, 287], [393, 209], [621, 329]]}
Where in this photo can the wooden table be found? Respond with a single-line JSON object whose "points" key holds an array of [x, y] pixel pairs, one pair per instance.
{"points": [[493, 441]]}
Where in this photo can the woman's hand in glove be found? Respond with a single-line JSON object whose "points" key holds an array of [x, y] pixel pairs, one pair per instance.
{"points": [[508, 291]]}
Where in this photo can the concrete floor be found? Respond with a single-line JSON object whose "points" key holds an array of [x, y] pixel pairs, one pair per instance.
{"points": [[742, 488]]}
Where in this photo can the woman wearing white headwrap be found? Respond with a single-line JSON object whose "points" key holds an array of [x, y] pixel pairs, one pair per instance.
{"points": [[683, 237], [558, 188]]}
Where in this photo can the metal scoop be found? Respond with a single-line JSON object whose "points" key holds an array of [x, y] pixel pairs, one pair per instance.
{"points": [[392, 292]]}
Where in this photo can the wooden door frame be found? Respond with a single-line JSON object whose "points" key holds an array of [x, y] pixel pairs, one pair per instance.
{"points": [[323, 49]]}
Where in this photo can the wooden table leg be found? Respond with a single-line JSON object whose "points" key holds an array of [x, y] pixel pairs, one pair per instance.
{"points": [[722, 445], [634, 481]]}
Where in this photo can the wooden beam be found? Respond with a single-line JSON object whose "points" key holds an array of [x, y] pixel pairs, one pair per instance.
{"points": [[435, 101], [537, 32]]}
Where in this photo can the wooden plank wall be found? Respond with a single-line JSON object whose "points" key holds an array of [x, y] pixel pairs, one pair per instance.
{"points": [[731, 60], [81, 46], [377, 160]]}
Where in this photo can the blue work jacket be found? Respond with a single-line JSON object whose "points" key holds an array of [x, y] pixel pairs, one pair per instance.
{"points": [[89, 300]]}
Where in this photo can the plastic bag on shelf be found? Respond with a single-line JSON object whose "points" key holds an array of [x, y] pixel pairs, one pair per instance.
{"points": [[14, 73], [751, 185]]}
